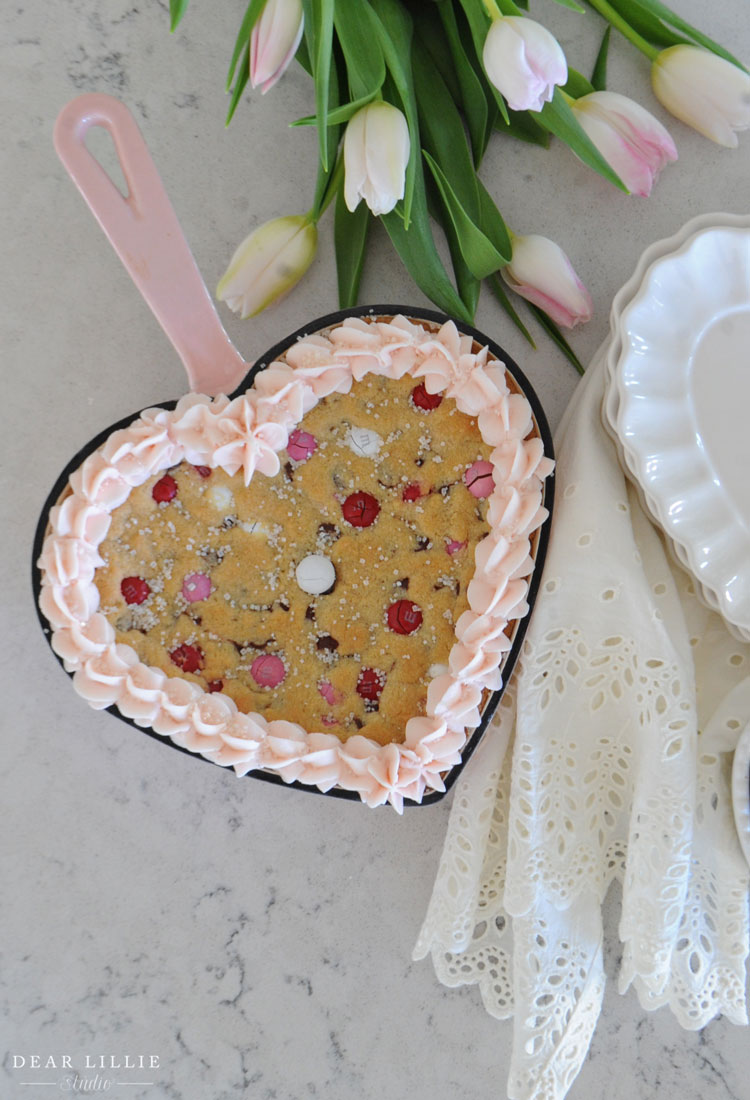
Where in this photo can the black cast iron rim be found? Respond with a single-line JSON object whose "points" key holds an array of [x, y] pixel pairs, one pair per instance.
{"points": [[269, 356]]}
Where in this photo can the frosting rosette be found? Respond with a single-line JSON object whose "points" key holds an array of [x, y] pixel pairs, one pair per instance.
{"points": [[245, 434]]}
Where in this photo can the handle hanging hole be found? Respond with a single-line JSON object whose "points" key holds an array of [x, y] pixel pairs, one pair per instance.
{"points": [[99, 143]]}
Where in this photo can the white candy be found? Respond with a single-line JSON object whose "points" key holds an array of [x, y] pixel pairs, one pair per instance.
{"points": [[255, 527], [364, 442], [315, 574], [221, 498]]}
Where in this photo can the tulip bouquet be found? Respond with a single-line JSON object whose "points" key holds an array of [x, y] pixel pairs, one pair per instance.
{"points": [[408, 96]]}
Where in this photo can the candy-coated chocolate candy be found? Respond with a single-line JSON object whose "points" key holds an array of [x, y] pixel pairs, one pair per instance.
{"points": [[187, 657], [453, 546], [370, 684], [204, 471], [329, 693], [424, 400], [134, 589], [404, 617], [315, 574], [479, 480], [360, 509], [412, 491], [301, 445], [268, 670], [196, 586], [222, 499], [165, 489], [364, 442]]}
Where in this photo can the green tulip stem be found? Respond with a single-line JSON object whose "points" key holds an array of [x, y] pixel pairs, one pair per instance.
{"points": [[492, 9], [334, 182], [608, 12]]}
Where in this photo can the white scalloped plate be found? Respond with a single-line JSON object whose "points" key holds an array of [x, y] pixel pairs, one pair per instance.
{"points": [[741, 791], [679, 386]]}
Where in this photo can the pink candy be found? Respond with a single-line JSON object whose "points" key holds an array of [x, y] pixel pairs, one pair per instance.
{"points": [[454, 547], [329, 693], [301, 445], [196, 586], [479, 480], [268, 670]]}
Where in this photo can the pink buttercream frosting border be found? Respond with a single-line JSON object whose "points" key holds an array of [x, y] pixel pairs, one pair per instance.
{"points": [[245, 435]]}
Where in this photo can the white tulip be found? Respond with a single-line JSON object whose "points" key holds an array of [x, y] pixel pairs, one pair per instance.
{"points": [[376, 152], [267, 264], [524, 62], [274, 41], [705, 91]]}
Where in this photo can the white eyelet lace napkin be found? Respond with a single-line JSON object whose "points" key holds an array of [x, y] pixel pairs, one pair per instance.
{"points": [[609, 760]]}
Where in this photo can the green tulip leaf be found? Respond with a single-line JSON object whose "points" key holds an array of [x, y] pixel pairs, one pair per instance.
{"points": [[557, 337], [420, 257], [599, 75], [577, 85], [509, 7], [646, 24], [177, 9], [240, 83], [558, 118], [443, 132], [303, 56], [350, 239], [498, 289], [479, 24], [250, 18], [358, 36], [572, 4], [662, 15], [478, 251], [331, 171], [319, 36], [429, 34], [492, 224], [467, 285], [339, 114], [470, 91], [522, 126]]}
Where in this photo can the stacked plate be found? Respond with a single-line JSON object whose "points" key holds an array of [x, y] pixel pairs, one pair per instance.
{"points": [[677, 405]]}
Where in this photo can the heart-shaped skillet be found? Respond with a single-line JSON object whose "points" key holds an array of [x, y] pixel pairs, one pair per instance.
{"points": [[183, 688]]}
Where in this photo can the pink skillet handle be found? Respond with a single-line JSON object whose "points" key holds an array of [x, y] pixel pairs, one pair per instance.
{"points": [[144, 232]]}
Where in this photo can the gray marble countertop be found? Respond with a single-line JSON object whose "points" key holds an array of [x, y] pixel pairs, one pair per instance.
{"points": [[254, 940]]}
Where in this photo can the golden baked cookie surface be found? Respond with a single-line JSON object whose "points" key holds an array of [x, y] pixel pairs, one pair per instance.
{"points": [[203, 575]]}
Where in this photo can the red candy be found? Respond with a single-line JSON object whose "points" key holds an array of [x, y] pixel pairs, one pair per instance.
{"points": [[360, 509], [165, 489], [404, 617], [453, 546], [134, 589], [424, 400], [204, 471], [187, 657], [370, 684], [412, 492], [215, 685]]}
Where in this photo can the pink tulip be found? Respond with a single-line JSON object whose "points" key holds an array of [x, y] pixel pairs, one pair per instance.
{"points": [[524, 62], [540, 271], [629, 138], [274, 41]]}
